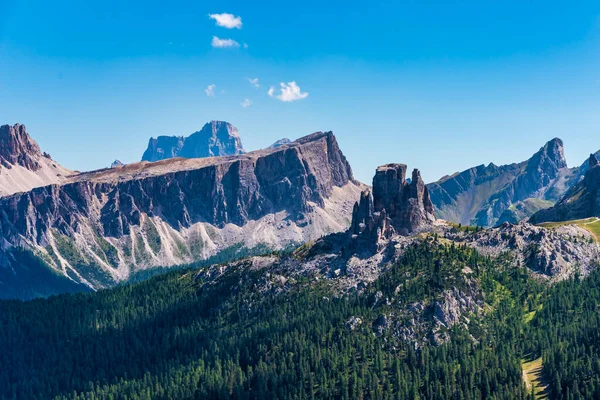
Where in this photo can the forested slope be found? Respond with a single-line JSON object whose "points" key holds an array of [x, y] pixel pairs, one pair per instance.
{"points": [[244, 332]]}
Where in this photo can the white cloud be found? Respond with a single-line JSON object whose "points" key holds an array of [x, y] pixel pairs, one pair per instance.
{"points": [[223, 43], [246, 103], [289, 92], [254, 82], [210, 90], [226, 20], [245, 45]]}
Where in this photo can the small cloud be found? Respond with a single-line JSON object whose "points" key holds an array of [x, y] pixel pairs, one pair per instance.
{"points": [[289, 92], [223, 43], [246, 103], [226, 20], [254, 82], [210, 90], [245, 45]]}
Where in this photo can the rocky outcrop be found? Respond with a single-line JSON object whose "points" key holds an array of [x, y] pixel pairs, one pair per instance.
{"points": [[116, 164], [216, 138], [557, 253], [408, 204], [22, 164], [395, 207], [17, 148], [479, 196], [177, 211], [581, 201], [583, 168]]}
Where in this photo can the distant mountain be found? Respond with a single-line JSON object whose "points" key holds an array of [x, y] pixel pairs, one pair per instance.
{"points": [[280, 142], [481, 195], [581, 201], [583, 168], [216, 138], [23, 165], [116, 163], [98, 228]]}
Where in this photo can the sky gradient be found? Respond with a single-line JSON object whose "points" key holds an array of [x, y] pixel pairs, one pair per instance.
{"points": [[438, 85]]}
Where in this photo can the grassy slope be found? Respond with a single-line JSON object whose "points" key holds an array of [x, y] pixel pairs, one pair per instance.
{"points": [[590, 224], [532, 376]]}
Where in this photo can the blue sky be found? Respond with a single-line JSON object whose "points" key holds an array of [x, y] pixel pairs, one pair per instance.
{"points": [[438, 85]]}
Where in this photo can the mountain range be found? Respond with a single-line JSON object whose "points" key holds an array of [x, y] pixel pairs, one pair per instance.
{"points": [[201, 198], [275, 274], [489, 195], [101, 227]]}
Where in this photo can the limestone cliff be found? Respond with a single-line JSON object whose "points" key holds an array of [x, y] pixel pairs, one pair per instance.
{"points": [[100, 227], [22, 163]]}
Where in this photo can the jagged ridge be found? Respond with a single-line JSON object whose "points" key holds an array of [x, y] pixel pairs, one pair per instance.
{"points": [[581, 201], [22, 163], [479, 196]]}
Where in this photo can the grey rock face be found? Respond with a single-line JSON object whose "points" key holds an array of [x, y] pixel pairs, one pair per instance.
{"points": [[480, 195], [216, 138], [395, 206], [354, 323], [18, 148], [99, 225], [163, 147], [232, 191], [554, 252], [583, 168], [581, 201]]}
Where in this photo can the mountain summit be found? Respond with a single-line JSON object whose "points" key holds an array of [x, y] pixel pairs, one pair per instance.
{"points": [[581, 201], [18, 148], [216, 138], [23, 165], [480, 195]]}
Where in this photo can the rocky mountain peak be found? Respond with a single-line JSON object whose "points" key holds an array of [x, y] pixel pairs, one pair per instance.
{"points": [[216, 138], [393, 206], [407, 204], [18, 148], [483, 196], [550, 158], [116, 164], [592, 162], [581, 201]]}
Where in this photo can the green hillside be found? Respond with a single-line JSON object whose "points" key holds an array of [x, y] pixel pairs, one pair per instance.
{"points": [[249, 334]]}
